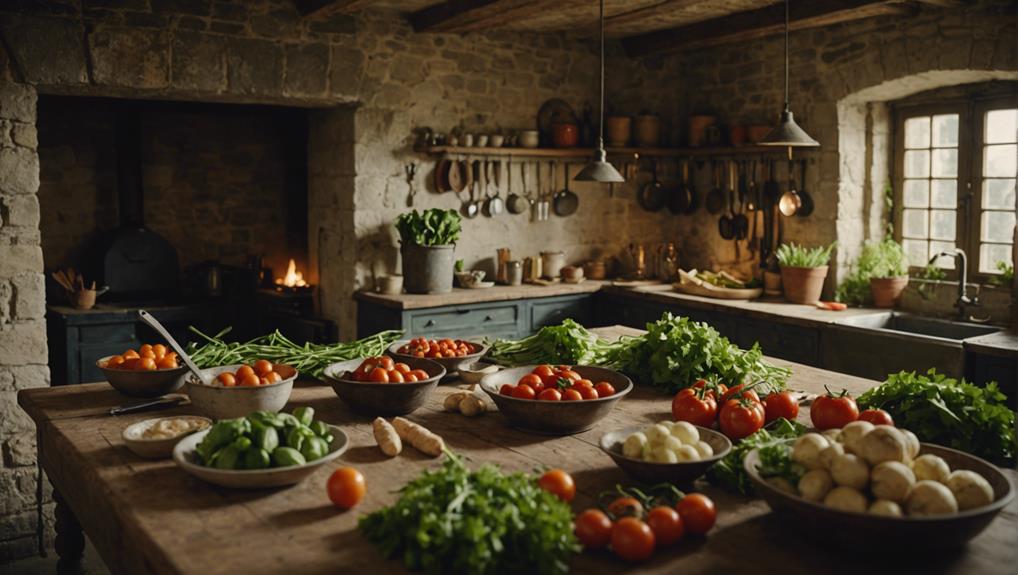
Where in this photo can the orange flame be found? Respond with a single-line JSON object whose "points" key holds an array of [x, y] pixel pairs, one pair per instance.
{"points": [[293, 278]]}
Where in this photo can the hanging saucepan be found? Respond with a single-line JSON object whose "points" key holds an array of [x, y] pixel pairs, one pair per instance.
{"points": [[566, 201], [652, 195], [515, 203], [807, 200], [441, 177], [456, 175], [716, 197], [790, 201]]}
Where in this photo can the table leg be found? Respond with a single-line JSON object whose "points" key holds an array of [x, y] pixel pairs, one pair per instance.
{"points": [[70, 540]]}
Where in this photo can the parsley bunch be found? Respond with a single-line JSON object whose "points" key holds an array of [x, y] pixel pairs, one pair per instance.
{"points": [[453, 520]]}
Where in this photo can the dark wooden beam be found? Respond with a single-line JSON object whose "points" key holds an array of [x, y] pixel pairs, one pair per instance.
{"points": [[467, 15], [322, 9], [754, 24], [663, 8]]}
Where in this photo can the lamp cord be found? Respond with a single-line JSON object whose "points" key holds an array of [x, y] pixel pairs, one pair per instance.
{"points": [[786, 54], [600, 123]]}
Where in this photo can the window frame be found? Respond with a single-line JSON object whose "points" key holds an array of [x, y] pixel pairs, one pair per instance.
{"points": [[971, 112]]}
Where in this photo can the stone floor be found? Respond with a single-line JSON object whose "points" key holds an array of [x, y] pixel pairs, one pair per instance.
{"points": [[92, 564]]}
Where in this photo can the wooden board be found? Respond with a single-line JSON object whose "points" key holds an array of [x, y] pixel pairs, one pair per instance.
{"points": [[151, 517], [717, 292]]}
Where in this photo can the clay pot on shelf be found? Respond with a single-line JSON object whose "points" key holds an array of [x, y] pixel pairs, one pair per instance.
{"points": [[648, 130], [737, 135], [619, 130], [698, 125], [565, 135], [803, 285], [887, 291]]}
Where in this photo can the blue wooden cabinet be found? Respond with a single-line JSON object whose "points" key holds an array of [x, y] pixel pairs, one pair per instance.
{"points": [[506, 319]]}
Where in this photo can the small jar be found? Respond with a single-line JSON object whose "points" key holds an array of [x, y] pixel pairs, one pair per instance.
{"points": [[514, 272]]}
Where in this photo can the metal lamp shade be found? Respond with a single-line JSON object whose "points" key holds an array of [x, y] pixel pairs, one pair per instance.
{"points": [[600, 170], [788, 133]]}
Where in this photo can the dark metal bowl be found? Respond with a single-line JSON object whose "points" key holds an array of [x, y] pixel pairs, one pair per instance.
{"points": [[143, 383], [450, 364], [653, 472], [555, 417], [386, 399], [879, 533]]}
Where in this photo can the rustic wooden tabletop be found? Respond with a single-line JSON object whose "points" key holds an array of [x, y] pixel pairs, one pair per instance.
{"points": [[151, 517]]}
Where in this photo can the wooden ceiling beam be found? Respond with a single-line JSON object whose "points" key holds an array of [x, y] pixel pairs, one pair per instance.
{"points": [[663, 8], [767, 21], [322, 9], [468, 15]]}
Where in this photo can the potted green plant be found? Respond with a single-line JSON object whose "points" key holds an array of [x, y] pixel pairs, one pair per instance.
{"points": [[803, 271], [428, 247], [886, 265]]}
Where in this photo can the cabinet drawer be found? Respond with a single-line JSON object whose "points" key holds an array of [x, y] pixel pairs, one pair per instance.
{"points": [[107, 332], [466, 321], [552, 313], [789, 342]]}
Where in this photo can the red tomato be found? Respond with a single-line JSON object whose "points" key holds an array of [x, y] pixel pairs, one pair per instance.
{"points": [[421, 374], [585, 391], [524, 391], [533, 381], [585, 383], [632, 539], [741, 417], [833, 412], [402, 368], [395, 376], [739, 391], [226, 379], [506, 389], [695, 405], [550, 394], [114, 362], [410, 378], [780, 404], [249, 380], [698, 513], [244, 371], [593, 528], [876, 417], [346, 487], [166, 362], [146, 363], [160, 350], [130, 354], [666, 524], [543, 371], [625, 506], [262, 367], [570, 375], [571, 395], [378, 375], [604, 389], [385, 362], [558, 483]]}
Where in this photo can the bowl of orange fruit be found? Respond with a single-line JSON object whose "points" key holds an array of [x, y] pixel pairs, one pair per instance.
{"points": [[149, 371], [231, 391]]}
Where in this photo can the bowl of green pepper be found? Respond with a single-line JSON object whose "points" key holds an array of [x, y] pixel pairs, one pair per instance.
{"points": [[262, 449]]}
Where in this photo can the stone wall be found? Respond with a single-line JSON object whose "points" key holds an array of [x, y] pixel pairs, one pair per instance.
{"points": [[220, 181]]}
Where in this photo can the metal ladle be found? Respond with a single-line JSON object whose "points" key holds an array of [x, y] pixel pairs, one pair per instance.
{"points": [[154, 324], [790, 201]]}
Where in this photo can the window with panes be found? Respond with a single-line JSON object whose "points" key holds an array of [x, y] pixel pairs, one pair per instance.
{"points": [[956, 167]]}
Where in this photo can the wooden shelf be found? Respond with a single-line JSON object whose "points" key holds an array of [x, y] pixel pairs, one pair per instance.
{"points": [[617, 152]]}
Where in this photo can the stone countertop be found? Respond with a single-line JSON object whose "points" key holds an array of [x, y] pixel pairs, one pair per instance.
{"points": [[459, 296], [1003, 343]]}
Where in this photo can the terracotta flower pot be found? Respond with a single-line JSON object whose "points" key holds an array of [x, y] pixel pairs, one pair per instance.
{"points": [[887, 291], [803, 285], [619, 130]]}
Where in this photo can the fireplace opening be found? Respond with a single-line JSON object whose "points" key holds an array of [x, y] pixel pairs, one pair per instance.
{"points": [[190, 210]]}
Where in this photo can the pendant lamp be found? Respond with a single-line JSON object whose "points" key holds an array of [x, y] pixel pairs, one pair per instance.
{"points": [[600, 170], [787, 132]]}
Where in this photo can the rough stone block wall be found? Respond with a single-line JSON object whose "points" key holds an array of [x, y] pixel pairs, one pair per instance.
{"points": [[23, 354]]}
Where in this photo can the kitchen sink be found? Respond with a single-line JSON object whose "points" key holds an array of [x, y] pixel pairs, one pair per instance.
{"points": [[919, 325], [879, 344]]}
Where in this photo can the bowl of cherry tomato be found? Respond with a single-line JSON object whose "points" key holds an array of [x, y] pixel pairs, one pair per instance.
{"points": [[384, 386], [449, 353], [236, 390], [556, 400], [149, 371]]}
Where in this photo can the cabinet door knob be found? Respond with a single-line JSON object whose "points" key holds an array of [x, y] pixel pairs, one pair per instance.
{"points": [[429, 323], [462, 311], [487, 318]]}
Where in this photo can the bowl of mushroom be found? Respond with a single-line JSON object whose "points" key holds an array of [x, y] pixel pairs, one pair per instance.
{"points": [[674, 452], [879, 488]]}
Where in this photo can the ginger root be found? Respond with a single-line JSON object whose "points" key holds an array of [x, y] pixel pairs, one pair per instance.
{"points": [[419, 436], [387, 437], [453, 400]]}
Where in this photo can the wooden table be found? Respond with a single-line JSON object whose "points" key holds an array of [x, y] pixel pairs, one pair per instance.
{"points": [[151, 517]]}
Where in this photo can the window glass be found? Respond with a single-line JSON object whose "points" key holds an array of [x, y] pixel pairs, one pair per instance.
{"points": [[999, 171]]}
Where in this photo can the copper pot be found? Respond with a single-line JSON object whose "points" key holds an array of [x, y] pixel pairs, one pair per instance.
{"points": [[737, 135], [565, 135]]}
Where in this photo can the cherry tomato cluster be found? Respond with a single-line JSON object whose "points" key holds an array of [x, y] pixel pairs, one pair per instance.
{"points": [[834, 411], [738, 411], [146, 358], [433, 348], [382, 369], [559, 383], [261, 372], [633, 531]]}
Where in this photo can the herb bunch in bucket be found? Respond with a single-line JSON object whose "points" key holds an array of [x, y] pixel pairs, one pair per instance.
{"points": [[428, 246]]}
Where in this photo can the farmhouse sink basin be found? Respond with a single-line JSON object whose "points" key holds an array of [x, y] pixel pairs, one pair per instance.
{"points": [[879, 344], [919, 325]]}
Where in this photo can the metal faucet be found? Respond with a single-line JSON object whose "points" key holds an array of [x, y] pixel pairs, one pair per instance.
{"points": [[960, 263]]}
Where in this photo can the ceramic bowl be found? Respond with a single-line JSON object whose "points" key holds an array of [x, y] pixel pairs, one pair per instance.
{"points": [[529, 138], [143, 383], [451, 364], [878, 533], [157, 448], [378, 399], [390, 285], [184, 456], [653, 472], [220, 402], [472, 373], [555, 417]]}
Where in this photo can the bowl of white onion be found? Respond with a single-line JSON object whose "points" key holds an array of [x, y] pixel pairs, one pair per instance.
{"points": [[674, 452]]}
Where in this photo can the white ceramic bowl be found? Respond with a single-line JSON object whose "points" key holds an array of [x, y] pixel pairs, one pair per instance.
{"points": [[473, 372], [220, 402], [184, 456], [157, 448]]}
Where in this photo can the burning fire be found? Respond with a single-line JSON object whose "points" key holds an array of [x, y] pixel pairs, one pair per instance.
{"points": [[293, 278]]}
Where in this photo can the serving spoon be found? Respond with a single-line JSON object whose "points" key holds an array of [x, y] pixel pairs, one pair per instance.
{"points": [[154, 324]]}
